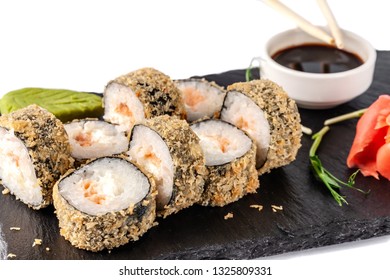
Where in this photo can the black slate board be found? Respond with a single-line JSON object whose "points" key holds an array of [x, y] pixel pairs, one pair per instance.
{"points": [[310, 217]]}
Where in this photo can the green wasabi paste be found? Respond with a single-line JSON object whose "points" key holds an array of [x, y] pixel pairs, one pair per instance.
{"points": [[66, 105]]}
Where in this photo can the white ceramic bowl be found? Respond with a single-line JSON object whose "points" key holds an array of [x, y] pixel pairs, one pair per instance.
{"points": [[319, 91]]}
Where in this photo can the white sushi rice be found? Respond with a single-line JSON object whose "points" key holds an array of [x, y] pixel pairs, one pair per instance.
{"points": [[3, 246], [200, 98], [122, 106], [91, 139], [16, 169], [149, 150], [104, 185], [221, 142], [240, 110]]}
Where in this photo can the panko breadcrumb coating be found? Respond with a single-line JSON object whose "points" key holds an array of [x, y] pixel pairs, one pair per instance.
{"points": [[47, 143], [188, 160], [156, 91], [105, 231], [283, 118], [229, 182]]}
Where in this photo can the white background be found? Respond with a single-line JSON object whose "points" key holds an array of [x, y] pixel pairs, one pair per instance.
{"points": [[81, 45]]}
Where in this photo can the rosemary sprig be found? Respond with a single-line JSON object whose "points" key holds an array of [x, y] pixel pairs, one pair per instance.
{"points": [[331, 182]]}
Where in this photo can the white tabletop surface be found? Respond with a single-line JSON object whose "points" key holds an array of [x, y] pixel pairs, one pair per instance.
{"points": [[81, 45]]}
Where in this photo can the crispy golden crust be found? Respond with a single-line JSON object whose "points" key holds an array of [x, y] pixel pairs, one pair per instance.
{"points": [[188, 160], [47, 143], [231, 181], [107, 231], [156, 91], [283, 118]]}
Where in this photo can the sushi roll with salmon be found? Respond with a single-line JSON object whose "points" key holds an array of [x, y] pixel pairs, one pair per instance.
{"points": [[201, 98], [139, 95], [34, 153], [104, 204], [92, 138], [231, 162], [167, 147], [264, 111]]}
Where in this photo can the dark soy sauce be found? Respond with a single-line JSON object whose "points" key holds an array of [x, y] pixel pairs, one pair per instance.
{"points": [[317, 58]]}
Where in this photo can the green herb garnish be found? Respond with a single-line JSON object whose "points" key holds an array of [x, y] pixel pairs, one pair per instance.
{"points": [[355, 114], [248, 73], [331, 182]]}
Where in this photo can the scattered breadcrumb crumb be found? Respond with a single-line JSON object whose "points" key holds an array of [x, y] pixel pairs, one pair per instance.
{"points": [[5, 191], [11, 256], [47, 249], [37, 242], [276, 208], [257, 206], [228, 216], [14, 228]]}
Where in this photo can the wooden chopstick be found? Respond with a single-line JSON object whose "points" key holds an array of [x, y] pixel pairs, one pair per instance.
{"points": [[332, 23], [301, 22]]}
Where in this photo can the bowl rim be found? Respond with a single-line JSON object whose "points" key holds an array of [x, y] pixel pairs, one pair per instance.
{"points": [[367, 64]]}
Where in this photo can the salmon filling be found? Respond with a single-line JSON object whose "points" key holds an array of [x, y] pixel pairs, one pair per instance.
{"points": [[192, 97], [221, 142], [201, 98], [122, 106], [84, 139], [104, 185], [150, 151], [93, 138], [242, 112], [91, 192]]}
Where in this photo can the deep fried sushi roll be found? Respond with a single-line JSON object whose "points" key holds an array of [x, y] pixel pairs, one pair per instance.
{"points": [[34, 153], [202, 99], [104, 204], [167, 147], [264, 111], [144, 93], [90, 138], [231, 162]]}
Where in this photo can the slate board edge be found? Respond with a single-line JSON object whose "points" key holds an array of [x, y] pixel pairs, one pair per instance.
{"points": [[332, 233], [320, 236]]}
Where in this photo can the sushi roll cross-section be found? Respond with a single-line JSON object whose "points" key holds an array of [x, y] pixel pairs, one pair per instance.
{"points": [[104, 204], [241, 111], [265, 112], [231, 162], [201, 98], [35, 152], [91, 138], [167, 147], [139, 95], [149, 150]]}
